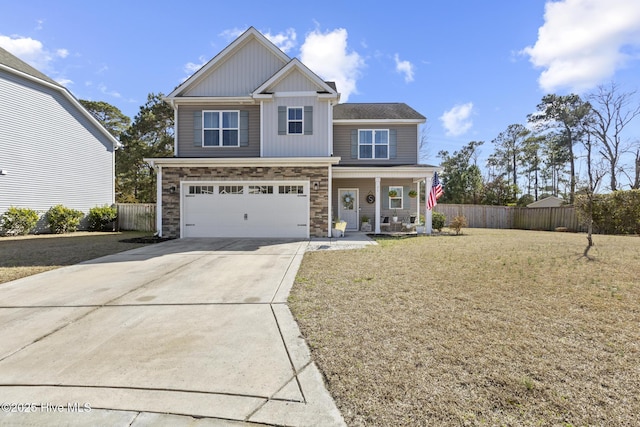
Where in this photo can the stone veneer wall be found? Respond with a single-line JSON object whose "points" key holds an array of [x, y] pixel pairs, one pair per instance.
{"points": [[318, 199]]}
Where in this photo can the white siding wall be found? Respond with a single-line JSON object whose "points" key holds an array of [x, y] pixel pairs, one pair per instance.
{"points": [[51, 152], [315, 145], [241, 73]]}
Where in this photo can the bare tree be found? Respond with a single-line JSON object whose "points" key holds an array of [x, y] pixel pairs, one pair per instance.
{"points": [[423, 145], [595, 173], [634, 180], [612, 112]]}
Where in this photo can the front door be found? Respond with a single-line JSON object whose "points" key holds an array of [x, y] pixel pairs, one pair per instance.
{"points": [[348, 207]]}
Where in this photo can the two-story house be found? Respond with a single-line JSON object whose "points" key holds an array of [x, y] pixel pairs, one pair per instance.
{"points": [[263, 148], [52, 150]]}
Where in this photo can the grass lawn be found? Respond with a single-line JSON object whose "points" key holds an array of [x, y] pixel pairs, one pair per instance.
{"points": [[493, 327], [22, 256]]}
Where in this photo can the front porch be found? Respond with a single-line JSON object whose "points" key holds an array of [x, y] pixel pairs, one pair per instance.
{"points": [[389, 199]]}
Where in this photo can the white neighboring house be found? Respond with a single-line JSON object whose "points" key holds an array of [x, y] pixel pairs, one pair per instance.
{"points": [[548, 202], [52, 150]]}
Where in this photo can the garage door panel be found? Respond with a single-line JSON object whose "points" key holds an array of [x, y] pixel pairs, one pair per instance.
{"points": [[245, 215]]}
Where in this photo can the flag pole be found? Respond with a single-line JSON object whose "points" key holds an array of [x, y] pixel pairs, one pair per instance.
{"points": [[428, 218]]}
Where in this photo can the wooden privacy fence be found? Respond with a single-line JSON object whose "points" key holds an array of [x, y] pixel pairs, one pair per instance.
{"points": [[481, 216], [137, 216]]}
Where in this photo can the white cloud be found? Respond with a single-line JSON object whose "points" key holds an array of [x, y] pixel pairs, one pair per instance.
{"points": [[62, 53], [65, 82], [328, 56], [583, 42], [29, 50], [404, 67], [103, 89], [457, 120], [192, 67], [232, 33], [285, 41]]}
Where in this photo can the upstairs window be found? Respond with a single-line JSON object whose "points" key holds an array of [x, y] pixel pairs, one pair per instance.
{"points": [[294, 120], [221, 128], [373, 144]]}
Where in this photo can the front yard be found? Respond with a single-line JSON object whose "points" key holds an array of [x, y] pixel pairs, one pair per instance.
{"points": [[22, 256], [494, 327]]}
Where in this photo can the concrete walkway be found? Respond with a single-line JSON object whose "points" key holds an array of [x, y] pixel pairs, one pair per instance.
{"points": [[187, 332]]}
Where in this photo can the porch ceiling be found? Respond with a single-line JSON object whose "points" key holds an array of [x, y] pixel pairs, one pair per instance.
{"points": [[416, 172]]}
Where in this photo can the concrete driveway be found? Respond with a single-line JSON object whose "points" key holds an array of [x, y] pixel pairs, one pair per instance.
{"points": [[186, 332]]}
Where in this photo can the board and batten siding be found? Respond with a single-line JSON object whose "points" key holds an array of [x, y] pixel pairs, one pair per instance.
{"points": [[314, 145], [240, 73], [186, 147], [406, 148], [51, 152], [295, 81]]}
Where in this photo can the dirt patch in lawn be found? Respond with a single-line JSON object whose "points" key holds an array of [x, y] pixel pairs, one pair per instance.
{"points": [[22, 256], [495, 327]]}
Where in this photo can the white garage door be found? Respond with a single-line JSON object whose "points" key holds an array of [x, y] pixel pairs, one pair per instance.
{"points": [[245, 209]]}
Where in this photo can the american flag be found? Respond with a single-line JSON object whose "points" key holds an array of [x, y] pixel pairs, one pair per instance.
{"points": [[435, 193]]}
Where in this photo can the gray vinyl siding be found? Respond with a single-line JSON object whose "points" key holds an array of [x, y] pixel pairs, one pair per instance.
{"points": [[52, 153], [240, 74], [366, 186], [186, 146], [314, 145], [406, 149]]}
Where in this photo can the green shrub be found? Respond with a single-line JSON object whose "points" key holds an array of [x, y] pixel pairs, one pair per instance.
{"points": [[18, 220], [62, 219], [101, 218], [437, 220], [457, 223], [614, 213]]}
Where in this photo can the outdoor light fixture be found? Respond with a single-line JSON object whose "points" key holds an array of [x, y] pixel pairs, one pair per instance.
{"points": [[172, 189], [316, 185]]}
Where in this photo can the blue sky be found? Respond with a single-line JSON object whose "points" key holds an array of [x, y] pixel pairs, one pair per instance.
{"points": [[471, 67]]}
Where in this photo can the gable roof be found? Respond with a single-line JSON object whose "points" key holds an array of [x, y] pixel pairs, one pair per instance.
{"points": [[15, 65], [295, 64], [251, 33], [390, 111], [547, 202], [11, 61]]}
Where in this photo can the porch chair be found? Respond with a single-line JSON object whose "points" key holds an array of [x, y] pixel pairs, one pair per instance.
{"points": [[411, 225], [339, 228]]}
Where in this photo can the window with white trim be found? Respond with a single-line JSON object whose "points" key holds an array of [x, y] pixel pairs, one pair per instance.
{"points": [[261, 189], [291, 189], [373, 144], [294, 120], [231, 189], [201, 189], [395, 202], [221, 128]]}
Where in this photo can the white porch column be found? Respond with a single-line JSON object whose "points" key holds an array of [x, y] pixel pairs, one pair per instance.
{"points": [[377, 205], [329, 192], [427, 212], [159, 200], [418, 204]]}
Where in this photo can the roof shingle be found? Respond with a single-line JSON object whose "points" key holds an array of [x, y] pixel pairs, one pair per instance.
{"points": [[376, 111], [12, 61]]}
